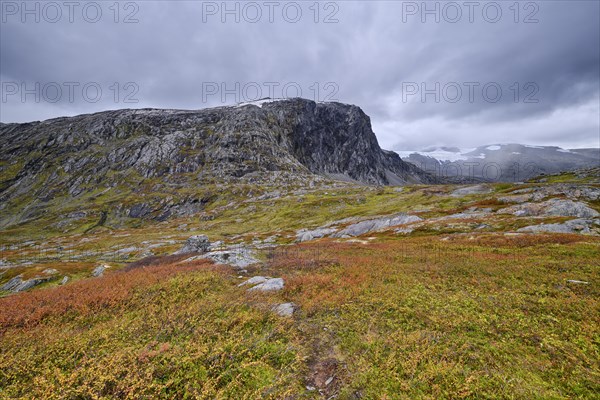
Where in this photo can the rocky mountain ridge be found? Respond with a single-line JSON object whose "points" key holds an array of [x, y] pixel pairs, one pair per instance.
{"points": [[170, 154]]}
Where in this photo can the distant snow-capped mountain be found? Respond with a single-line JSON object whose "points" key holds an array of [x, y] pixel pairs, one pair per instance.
{"points": [[501, 162]]}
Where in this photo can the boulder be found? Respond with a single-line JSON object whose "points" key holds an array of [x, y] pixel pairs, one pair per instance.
{"points": [[195, 244], [236, 257], [284, 309], [375, 225]]}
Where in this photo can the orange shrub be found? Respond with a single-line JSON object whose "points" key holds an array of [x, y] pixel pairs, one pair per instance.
{"points": [[87, 295]]}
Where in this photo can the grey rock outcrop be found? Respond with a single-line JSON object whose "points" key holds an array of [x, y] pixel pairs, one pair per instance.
{"points": [[29, 283], [305, 235], [552, 208], [12, 283], [17, 284], [516, 199], [238, 257], [372, 225], [195, 244], [585, 226], [476, 189], [255, 280]]}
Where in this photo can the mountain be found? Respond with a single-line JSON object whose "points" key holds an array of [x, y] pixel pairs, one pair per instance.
{"points": [[156, 162], [501, 162]]}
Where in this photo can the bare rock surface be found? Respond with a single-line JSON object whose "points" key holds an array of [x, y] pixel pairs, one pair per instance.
{"points": [[255, 280], [586, 226], [372, 225], [305, 235], [236, 257], [18, 284], [99, 270], [552, 208], [476, 189], [195, 244], [270, 285]]}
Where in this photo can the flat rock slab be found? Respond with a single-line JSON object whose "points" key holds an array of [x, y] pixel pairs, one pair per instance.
{"points": [[255, 280], [375, 224], [17, 284], [304, 235], [516, 199], [13, 283], [269, 285], [477, 189], [552, 208], [585, 226]]}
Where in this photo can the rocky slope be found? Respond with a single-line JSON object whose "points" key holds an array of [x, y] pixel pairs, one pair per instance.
{"points": [[165, 155]]}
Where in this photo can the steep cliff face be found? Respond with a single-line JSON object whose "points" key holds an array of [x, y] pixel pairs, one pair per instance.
{"points": [[98, 157], [337, 140]]}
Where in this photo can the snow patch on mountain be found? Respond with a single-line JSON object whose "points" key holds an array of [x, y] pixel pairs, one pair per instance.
{"points": [[439, 154], [494, 147]]}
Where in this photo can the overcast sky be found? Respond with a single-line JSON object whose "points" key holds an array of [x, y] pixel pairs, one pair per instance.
{"points": [[542, 57]]}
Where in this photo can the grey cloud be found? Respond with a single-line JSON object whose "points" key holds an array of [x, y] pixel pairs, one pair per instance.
{"points": [[369, 54]]}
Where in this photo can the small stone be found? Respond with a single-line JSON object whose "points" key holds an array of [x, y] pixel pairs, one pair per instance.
{"points": [[64, 280], [50, 271], [577, 282]]}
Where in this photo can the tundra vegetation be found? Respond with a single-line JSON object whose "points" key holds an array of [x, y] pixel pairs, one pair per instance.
{"points": [[458, 303]]}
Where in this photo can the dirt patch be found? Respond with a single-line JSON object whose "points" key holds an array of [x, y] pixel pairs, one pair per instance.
{"points": [[324, 376]]}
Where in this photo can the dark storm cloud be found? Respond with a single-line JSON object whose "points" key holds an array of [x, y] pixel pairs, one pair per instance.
{"points": [[370, 57]]}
